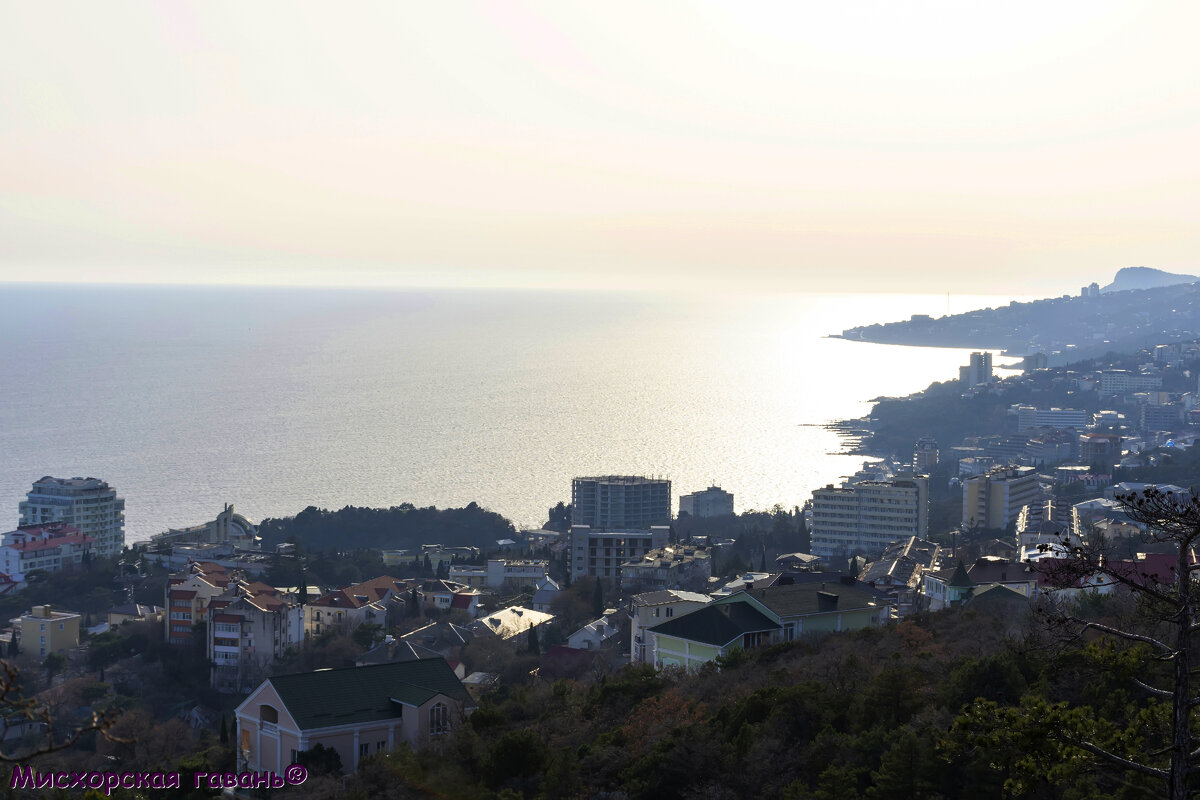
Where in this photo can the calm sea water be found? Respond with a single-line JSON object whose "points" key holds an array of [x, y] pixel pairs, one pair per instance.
{"points": [[276, 399]]}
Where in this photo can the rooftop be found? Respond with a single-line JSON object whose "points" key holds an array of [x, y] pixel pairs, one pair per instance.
{"points": [[354, 695]]}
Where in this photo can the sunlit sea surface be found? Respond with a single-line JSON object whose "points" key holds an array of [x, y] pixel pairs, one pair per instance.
{"points": [[277, 399]]}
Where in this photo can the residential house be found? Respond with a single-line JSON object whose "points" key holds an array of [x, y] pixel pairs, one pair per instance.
{"points": [[651, 608], [134, 612], [379, 601], [670, 567], [694, 639], [444, 638], [499, 571], [898, 571], [188, 596], [439, 594], [393, 649], [356, 711], [594, 636], [544, 593], [510, 624], [756, 617], [45, 631], [249, 627]]}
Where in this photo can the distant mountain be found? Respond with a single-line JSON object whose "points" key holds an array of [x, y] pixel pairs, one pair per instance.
{"points": [[1146, 278]]}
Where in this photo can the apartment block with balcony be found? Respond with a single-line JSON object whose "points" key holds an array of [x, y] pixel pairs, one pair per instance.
{"points": [[49, 547], [249, 626], [866, 517], [187, 597], [89, 504], [601, 553]]}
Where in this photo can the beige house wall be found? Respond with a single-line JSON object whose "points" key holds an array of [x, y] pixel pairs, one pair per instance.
{"points": [[267, 746]]}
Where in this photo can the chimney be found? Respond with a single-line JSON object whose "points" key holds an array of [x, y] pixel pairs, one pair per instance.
{"points": [[827, 601]]}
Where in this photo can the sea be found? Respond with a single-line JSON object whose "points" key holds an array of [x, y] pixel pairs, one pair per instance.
{"points": [[275, 399]]}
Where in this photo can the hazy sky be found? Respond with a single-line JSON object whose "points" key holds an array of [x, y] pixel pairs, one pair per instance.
{"points": [[917, 146]]}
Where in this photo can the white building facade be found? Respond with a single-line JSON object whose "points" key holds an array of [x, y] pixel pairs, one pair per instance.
{"points": [[89, 504]]}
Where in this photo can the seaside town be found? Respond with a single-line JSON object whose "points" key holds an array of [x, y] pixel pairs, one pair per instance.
{"points": [[931, 626]]}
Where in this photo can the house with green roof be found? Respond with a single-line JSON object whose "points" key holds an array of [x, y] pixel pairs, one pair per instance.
{"points": [[758, 617], [711, 631], [356, 711]]}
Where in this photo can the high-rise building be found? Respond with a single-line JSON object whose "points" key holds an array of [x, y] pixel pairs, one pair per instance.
{"points": [[865, 517], [712, 502], [620, 502], [978, 371], [925, 455], [995, 498], [89, 504]]}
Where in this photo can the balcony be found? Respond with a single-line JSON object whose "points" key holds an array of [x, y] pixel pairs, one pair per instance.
{"points": [[269, 728]]}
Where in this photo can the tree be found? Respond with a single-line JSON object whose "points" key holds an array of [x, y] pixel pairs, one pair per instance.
{"points": [[559, 518], [598, 600], [224, 730], [367, 634], [320, 760], [303, 589], [54, 664], [1173, 605], [15, 709], [534, 647]]}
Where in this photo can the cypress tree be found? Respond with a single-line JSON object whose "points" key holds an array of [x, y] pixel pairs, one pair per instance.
{"points": [[598, 599]]}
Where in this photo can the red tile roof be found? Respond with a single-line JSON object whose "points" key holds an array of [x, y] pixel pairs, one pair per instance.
{"points": [[57, 541]]}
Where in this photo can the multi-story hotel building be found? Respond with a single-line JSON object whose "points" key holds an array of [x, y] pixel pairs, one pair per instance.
{"points": [[995, 498], [89, 504], [49, 547], [620, 502], [865, 517], [1031, 417]]}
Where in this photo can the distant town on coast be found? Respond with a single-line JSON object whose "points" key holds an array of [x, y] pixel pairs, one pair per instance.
{"points": [[930, 626]]}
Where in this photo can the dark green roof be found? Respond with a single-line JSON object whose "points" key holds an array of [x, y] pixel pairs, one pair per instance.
{"points": [[960, 580], [717, 624], [802, 598], [365, 694]]}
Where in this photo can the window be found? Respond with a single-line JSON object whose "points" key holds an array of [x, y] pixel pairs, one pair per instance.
{"points": [[61, 625], [363, 750], [439, 720], [670, 612], [378, 746]]}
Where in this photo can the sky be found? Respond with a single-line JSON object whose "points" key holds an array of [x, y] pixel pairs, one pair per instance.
{"points": [[917, 146]]}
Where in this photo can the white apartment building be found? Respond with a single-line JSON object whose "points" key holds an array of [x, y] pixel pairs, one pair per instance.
{"points": [[712, 502], [500, 571], [89, 504], [1119, 381], [601, 553], [49, 547], [1029, 418], [866, 517]]}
